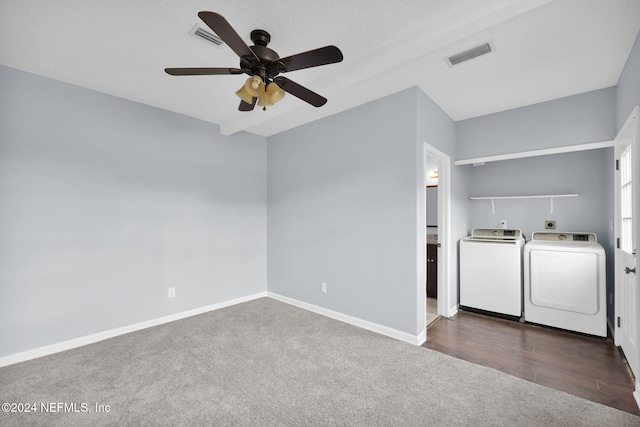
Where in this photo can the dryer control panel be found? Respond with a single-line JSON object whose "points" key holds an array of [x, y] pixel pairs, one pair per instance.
{"points": [[564, 237]]}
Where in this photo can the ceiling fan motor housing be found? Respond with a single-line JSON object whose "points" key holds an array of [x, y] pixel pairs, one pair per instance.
{"points": [[269, 65]]}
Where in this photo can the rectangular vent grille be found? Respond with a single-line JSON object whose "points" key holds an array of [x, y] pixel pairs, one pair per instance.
{"points": [[468, 54], [205, 35]]}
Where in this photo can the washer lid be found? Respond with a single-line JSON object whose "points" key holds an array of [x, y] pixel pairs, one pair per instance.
{"points": [[555, 236]]}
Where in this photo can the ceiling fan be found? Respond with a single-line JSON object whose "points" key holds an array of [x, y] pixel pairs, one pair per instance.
{"points": [[264, 86]]}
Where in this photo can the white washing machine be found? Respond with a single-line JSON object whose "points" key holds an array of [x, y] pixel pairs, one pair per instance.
{"points": [[565, 281], [491, 271]]}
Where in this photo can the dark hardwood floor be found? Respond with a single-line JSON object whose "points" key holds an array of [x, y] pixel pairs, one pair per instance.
{"points": [[585, 366]]}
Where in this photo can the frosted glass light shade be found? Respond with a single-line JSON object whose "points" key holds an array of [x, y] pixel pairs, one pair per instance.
{"points": [[255, 86], [274, 92], [264, 101], [272, 95], [245, 95]]}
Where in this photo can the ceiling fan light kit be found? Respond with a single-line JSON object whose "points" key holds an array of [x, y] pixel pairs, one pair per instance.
{"points": [[267, 95], [263, 65]]}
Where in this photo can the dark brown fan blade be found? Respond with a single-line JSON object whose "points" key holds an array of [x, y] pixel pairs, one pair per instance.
{"points": [[312, 58], [300, 91], [247, 107], [225, 31], [201, 71]]}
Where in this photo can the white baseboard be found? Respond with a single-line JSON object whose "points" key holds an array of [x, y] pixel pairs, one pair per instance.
{"points": [[636, 395], [452, 311], [365, 324], [422, 338], [93, 338], [100, 336]]}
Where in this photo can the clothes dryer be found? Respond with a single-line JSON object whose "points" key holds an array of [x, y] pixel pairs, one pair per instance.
{"points": [[565, 281]]}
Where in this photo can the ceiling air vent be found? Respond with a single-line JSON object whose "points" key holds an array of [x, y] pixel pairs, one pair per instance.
{"points": [[200, 32], [468, 54]]}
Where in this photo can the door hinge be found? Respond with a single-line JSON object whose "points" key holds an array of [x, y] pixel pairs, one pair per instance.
{"points": [[617, 243], [618, 321], [617, 164]]}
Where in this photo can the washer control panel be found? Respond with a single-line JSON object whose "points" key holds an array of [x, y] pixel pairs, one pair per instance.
{"points": [[495, 233]]}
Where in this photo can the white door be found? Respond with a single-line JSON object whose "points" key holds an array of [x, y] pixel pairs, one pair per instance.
{"points": [[627, 186]]}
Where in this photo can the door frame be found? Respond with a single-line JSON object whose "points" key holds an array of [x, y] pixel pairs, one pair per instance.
{"points": [[444, 229], [635, 115]]}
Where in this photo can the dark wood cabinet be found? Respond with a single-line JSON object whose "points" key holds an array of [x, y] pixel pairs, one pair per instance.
{"points": [[432, 271]]}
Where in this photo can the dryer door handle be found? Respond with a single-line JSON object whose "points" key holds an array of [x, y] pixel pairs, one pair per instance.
{"points": [[630, 270]]}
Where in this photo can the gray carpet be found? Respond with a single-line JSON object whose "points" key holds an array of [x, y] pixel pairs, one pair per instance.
{"points": [[266, 363]]}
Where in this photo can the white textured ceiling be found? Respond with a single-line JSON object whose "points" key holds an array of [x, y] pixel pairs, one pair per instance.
{"points": [[545, 49]]}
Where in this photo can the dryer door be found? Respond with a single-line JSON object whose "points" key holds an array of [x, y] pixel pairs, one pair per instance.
{"points": [[564, 280]]}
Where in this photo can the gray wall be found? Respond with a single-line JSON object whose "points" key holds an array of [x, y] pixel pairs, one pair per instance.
{"points": [[628, 88], [578, 119], [583, 118], [582, 172], [432, 208], [105, 203], [436, 128], [343, 201]]}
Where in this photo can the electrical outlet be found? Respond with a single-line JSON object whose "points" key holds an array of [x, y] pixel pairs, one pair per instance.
{"points": [[550, 224], [172, 293], [324, 288]]}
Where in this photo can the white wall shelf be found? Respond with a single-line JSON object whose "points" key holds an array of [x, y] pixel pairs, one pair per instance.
{"points": [[535, 153], [544, 196]]}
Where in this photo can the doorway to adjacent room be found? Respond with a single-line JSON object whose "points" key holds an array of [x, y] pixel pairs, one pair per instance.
{"points": [[437, 167]]}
